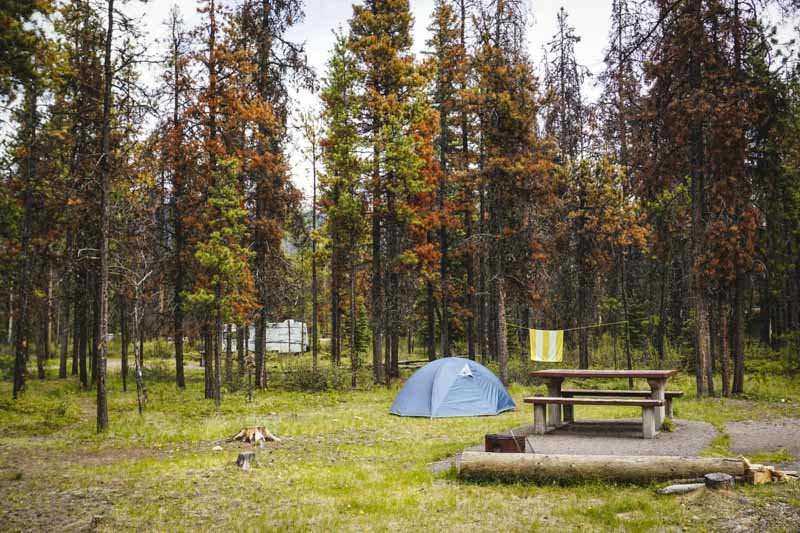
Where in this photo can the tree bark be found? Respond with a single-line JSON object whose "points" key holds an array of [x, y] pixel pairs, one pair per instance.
{"points": [[22, 328], [261, 329], [502, 341], [66, 304], [240, 348], [314, 288], [105, 190], [207, 361], [336, 317], [217, 343], [354, 355], [738, 333], [376, 292], [177, 214], [430, 318], [228, 355], [723, 347], [124, 340], [696, 154]]}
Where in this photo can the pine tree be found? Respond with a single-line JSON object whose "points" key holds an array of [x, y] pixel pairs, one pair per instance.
{"points": [[341, 186], [514, 164], [381, 41]]}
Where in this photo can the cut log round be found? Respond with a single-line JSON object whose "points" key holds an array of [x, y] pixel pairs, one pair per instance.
{"points": [[245, 459], [636, 469], [719, 480]]}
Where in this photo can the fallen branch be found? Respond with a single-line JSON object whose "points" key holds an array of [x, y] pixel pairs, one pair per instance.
{"points": [[682, 488]]}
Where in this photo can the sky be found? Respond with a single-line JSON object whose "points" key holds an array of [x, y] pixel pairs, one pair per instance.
{"points": [[589, 17]]}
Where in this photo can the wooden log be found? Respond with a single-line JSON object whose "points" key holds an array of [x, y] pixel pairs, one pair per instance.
{"points": [[719, 480], [245, 459], [636, 469]]}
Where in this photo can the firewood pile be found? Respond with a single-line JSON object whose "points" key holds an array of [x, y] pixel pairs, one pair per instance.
{"points": [[760, 474]]}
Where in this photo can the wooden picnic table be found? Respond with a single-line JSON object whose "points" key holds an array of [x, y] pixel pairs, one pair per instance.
{"points": [[657, 379]]}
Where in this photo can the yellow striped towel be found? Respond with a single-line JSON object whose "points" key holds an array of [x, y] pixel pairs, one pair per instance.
{"points": [[547, 345]]}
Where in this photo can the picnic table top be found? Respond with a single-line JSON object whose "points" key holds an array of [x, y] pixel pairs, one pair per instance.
{"points": [[576, 373]]}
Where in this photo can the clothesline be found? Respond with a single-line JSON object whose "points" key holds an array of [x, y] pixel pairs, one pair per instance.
{"points": [[580, 327]]}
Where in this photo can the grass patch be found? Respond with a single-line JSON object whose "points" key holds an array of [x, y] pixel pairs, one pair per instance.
{"points": [[775, 457], [345, 463]]}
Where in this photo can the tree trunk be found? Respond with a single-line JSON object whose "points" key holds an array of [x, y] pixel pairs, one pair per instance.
{"points": [[261, 329], [444, 318], [105, 190], [376, 292], [10, 330], [177, 215], [95, 345], [228, 355], [41, 346], [124, 340], [354, 355], [470, 257], [723, 352], [84, 333], [738, 333], [63, 328], [217, 343], [696, 149], [502, 341], [335, 312], [22, 329], [141, 391], [583, 288], [208, 365], [430, 317], [240, 348], [48, 329], [314, 288]]}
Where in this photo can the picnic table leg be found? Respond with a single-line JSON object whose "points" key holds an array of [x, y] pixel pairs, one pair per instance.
{"points": [[657, 388], [539, 419], [554, 390], [568, 411], [649, 428]]}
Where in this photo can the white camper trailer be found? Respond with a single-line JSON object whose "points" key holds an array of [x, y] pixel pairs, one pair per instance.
{"points": [[289, 336]]}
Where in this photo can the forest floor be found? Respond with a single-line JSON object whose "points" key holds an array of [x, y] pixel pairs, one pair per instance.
{"points": [[343, 463]]}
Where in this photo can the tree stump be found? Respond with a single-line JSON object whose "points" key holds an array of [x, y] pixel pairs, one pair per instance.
{"points": [[245, 459], [255, 435], [718, 480]]}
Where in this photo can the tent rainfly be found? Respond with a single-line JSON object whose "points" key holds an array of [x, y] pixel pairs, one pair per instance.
{"points": [[452, 386]]}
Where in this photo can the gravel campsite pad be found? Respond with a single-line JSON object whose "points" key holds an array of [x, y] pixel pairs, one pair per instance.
{"points": [[609, 437], [758, 436]]}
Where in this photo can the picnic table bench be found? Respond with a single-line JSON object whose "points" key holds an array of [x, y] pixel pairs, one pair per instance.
{"points": [[606, 393], [648, 410], [654, 403]]}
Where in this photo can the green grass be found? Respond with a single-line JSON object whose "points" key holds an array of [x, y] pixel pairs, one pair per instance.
{"points": [[344, 464]]}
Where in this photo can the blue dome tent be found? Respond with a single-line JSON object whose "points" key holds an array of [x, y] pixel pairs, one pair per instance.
{"points": [[452, 386]]}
